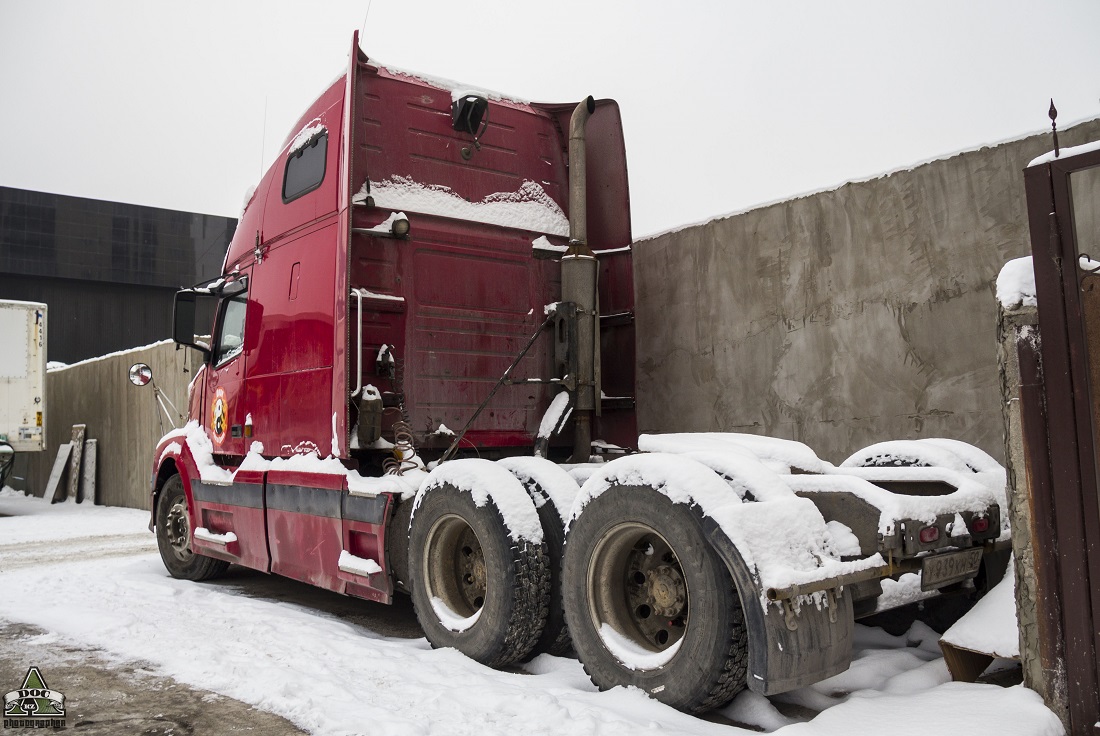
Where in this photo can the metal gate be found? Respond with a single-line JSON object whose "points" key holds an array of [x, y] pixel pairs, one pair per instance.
{"points": [[1060, 396]]}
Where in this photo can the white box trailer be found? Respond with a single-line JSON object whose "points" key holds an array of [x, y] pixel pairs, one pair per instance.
{"points": [[23, 375]]}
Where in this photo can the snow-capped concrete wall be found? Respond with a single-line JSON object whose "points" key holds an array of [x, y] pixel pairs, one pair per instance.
{"points": [[841, 318], [125, 420], [1043, 671]]}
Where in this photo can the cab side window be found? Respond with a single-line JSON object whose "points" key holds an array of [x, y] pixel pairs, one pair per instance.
{"points": [[230, 340], [305, 167]]}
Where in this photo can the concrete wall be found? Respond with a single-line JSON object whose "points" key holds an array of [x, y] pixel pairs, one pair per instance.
{"points": [[842, 318], [124, 419]]}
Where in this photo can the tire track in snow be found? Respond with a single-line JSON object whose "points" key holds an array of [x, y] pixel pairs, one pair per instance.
{"points": [[78, 549]]}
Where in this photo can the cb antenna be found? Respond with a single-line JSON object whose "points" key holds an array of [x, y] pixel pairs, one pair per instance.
{"points": [[263, 140], [363, 30]]}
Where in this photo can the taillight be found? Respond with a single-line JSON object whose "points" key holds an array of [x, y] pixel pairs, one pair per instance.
{"points": [[979, 526], [929, 534]]}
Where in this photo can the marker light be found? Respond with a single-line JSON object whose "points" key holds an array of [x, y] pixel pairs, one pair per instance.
{"points": [[929, 534]]}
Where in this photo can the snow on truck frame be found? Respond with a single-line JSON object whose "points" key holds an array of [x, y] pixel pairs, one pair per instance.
{"points": [[404, 288]]}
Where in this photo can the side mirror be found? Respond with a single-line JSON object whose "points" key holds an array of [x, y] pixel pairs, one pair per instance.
{"points": [[183, 320], [141, 374]]}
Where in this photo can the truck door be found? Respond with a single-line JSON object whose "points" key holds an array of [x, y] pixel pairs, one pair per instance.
{"points": [[225, 414], [234, 507]]}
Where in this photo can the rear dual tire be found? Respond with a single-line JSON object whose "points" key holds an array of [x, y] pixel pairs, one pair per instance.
{"points": [[650, 604], [475, 588]]}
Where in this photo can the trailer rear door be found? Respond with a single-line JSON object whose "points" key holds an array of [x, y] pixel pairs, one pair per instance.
{"points": [[23, 375]]}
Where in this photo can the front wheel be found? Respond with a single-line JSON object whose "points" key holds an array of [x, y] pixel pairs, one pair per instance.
{"points": [[650, 604], [174, 537]]}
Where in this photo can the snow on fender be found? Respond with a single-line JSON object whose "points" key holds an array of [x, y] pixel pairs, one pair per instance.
{"points": [[480, 578], [487, 481], [907, 453], [782, 539], [554, 484], [969, 461]]}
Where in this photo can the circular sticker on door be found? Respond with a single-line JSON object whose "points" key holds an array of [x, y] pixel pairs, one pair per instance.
{"points": [[219, 415]]}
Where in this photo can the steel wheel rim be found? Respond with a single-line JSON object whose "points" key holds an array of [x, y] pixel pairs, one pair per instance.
{"points": [[454, 566], [177, 530], [638, 588]]}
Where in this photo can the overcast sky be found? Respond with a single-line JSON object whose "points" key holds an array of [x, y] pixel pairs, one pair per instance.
{"points": [[725, 104]]}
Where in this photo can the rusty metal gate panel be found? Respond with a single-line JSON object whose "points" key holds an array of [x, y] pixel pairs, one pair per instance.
{"points": [[1061, 410]]}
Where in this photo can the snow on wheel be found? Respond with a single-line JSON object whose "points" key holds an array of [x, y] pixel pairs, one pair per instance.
{"points": [[649, 602], [174, 536], [553, 491], [480, 576]]}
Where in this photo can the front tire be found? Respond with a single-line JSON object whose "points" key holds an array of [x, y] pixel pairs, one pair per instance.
{"points": [[650, 604], [475, 588], [174, 537]]}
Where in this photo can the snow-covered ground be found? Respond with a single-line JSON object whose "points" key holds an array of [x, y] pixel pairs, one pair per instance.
{"points": [[91, 576]]}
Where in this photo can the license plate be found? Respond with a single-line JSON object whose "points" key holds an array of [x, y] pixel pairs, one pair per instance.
{"points": [[939, 570]]}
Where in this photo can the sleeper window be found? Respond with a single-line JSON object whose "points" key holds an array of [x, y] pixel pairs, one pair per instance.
{"points": [[305, 168]]}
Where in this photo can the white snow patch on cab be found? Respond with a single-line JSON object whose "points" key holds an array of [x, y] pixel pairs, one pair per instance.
{"points": [[311, 130], [529, 208], [202, 452], [205, 535], [172, 449], [543, 244], [357, 565]]}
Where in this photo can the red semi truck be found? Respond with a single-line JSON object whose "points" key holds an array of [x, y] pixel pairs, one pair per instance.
{"points": [[421, 380]]}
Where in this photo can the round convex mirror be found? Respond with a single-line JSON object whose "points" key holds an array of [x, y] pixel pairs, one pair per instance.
{"points": [[140, 374]]}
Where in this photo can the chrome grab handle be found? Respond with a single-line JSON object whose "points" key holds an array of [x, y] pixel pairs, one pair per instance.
{"points": [[358, 294]]}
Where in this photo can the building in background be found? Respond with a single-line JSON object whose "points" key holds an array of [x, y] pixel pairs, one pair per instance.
{"points": [[107, 270]]}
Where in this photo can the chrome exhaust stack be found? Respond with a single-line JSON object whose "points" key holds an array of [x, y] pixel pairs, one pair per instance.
{"points": [[579, 273]]}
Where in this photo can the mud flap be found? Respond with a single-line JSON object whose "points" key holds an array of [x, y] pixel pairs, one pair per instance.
{"points": [[783, 658]]}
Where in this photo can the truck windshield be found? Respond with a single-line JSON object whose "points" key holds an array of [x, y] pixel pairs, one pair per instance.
{"points": [[231, 337]]}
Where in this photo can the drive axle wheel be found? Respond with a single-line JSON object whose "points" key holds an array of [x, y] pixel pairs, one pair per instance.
{"points": [[638, 587], [456, 567], [174, 537], [475, 588], [649, 602]]}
